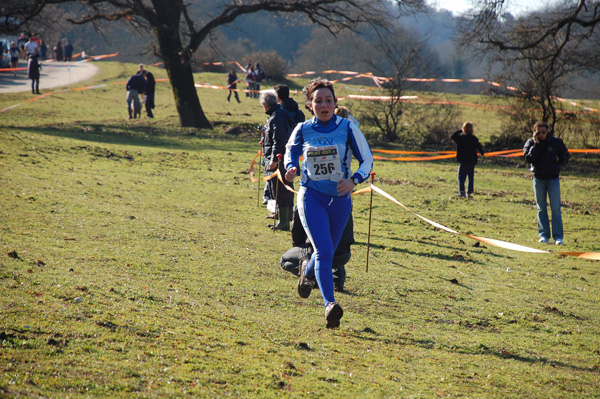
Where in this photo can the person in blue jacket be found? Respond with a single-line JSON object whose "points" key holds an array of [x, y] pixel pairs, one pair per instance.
{"points": [[327, 143]]}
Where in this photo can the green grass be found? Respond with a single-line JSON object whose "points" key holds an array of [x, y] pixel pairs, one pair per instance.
{"points": [[157, 230]]}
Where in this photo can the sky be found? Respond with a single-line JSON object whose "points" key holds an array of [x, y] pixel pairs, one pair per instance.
{"points": [[516, 7]]}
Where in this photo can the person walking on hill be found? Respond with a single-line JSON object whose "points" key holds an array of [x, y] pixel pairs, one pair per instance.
{"points": [[259, 75], [14, 56], [467, 146], [43, 50], [33, 72], [232, 80], [150, 89], [136, 85], [546, 154], [68, 51], [248, 80], [327, 143], [21, 45], [58, 51], [31, 47]]}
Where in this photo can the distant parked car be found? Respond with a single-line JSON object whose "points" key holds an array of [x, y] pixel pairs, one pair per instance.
{"points": [[4, 46]]}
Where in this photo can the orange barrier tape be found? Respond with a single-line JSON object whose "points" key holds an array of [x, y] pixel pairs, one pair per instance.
{"points": [[98, 57], [504, 152], [451, 154], [413, 159], [13, 69], [590, 151], [489, 241], [251, 172], [414, 152], [378, 80], [28, 101]]}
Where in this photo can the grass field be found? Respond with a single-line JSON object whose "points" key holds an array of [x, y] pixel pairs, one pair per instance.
{"points": [[135, 261]]}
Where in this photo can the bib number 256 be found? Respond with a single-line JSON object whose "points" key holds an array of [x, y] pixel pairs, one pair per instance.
{"points": [[324, 168]]}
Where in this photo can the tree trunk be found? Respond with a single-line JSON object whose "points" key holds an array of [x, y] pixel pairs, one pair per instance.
{"points": [[179, 69]]}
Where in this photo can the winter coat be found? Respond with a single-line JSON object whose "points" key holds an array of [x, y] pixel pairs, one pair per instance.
{"points": [[292, 109], [232, 80], [68, 50], [543, 157], [277, 132], [58, 52], [150, 83], [137, 83], [467, 146], [33, 68]]}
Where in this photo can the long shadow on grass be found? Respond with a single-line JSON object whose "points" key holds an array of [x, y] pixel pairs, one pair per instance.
{"points": [[144, 135], [424, 254], [370, 335]]}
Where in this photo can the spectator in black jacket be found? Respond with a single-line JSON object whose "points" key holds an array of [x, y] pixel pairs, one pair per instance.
{"points": [[546, 153], [291, 107], [302, 248], [467, 146], [136, 85], [277, 132], [33, 72], [232, 81], [149, 96], [289, 104]]}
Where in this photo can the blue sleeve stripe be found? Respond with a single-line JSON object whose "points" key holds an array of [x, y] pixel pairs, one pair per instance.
{"points": [[293, 148], [362, 152]]}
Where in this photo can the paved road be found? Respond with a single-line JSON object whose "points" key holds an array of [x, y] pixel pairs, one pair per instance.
{"points": [[54, 74]]}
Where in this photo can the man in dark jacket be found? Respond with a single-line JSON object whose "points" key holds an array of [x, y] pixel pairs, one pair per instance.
{"points": [[302, 248], [289, 104], [136, 85], [467, 146], [297, 116], [150, 87], [277, 132], [546, 154]]}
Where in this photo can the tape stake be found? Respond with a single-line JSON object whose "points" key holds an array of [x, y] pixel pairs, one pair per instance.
{"points": [[369, 232], [259, 168]]}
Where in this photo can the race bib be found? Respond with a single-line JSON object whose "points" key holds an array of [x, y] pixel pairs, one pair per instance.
{"points": [[323, 163]]}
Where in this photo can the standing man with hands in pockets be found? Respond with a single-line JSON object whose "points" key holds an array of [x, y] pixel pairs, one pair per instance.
{"points": [[546, 154]]}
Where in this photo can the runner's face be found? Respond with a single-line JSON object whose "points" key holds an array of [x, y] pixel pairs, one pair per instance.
{"points": [[323, 104]]}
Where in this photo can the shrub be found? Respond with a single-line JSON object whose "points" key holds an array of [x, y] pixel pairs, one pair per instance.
{"points": [[273, 65]]}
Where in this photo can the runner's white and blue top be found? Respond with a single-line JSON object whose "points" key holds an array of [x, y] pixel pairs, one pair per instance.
{"points": [[327, 149]]}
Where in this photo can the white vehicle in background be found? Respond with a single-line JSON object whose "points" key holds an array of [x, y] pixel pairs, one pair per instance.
{"points": [[4, 46]]}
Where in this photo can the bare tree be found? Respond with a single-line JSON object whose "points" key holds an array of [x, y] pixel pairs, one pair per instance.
{"points": [[400, 55], [572, 22], [179, 31], [539, 53]]}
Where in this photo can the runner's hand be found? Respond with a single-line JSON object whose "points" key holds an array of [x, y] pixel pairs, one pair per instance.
{"points": [[345, 187], [291, 174]]}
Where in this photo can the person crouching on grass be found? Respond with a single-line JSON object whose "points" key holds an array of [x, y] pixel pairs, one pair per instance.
{"points": [[327, 142]]}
